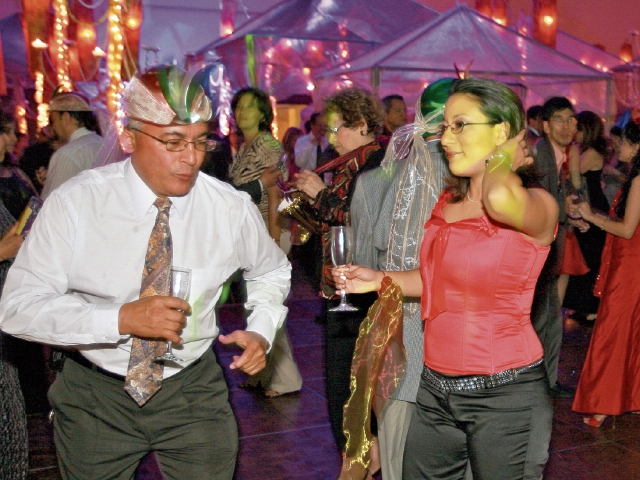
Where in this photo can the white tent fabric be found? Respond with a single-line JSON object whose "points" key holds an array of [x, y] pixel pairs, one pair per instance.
{"points": [[299, 38], [460, 36], [586, 53]]}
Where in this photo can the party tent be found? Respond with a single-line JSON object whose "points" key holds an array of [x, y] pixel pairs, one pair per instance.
{"points": [[281, 50], [462, 36], [586, 53]]}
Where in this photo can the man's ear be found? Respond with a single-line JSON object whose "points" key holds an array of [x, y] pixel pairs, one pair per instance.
{"points": [[545, 127], [127, 141]]}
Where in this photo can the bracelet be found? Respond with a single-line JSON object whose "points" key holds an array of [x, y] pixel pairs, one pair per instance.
{"points": [[502, 158], [603, 222]]}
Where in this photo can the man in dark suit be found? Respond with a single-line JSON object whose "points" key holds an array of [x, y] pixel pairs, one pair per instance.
{"points": [[534, 124], [560, 126]]}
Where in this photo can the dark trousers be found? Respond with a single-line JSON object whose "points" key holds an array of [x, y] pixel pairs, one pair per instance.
{"points": [[101, 433], [341, 335], [504, 432], [546, 318]]}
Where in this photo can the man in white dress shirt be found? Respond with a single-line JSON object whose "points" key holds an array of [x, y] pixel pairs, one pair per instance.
{"points": [[77, 283], [73, 122], [309, 147]]}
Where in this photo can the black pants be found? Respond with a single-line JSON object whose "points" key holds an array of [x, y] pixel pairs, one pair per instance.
{"points": [[341, 335], [101, 433], [504, 432]]}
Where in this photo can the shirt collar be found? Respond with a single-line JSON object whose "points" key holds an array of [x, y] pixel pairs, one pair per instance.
{"points": [[80, 132], [143, 198]]}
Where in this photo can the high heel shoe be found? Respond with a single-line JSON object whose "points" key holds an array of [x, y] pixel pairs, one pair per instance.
{"points": [[594, 420]]}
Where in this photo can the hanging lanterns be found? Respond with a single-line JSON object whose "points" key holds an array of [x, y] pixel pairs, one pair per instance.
{"points": [[485, 7], [626, 52], [227, 17], [499, 14], [545, 22]]}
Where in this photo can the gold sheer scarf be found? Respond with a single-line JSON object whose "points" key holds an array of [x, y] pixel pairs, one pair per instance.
{"points": [[376, 370]]}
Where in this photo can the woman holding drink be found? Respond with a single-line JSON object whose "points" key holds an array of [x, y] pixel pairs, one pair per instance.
{"points": [[484, 396]]}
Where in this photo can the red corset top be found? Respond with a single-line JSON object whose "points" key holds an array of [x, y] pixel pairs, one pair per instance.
{"points": [[479, 278]]}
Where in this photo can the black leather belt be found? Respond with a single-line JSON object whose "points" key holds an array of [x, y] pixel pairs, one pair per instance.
{"points": [[81, 360]]}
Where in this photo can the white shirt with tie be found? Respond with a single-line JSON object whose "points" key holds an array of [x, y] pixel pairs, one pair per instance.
{"points": [[306, 151], [84, 256]]}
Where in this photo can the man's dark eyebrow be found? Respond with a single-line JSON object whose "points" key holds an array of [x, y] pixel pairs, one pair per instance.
{"points": [[182, 135]]}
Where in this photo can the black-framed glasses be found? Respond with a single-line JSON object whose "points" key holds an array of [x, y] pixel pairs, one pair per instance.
{"points": [[334, 130], [179, 144], [457, 126]]}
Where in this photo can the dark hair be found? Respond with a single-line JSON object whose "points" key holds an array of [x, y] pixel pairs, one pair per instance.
{"points": [[592, 128], [263, 104], [354, 104], [85, 119], [388, 101], [314, 117], [534, 112], [631, 133], [6, 120], [499, 104], [553, 105], [615, 130], [289, 139]]}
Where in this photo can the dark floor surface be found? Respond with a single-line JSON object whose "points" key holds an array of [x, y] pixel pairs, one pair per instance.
{"points": [[290, 438]]}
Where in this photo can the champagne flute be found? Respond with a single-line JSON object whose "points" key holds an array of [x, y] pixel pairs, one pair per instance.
{"points": [[341, 250], [180, 286]]}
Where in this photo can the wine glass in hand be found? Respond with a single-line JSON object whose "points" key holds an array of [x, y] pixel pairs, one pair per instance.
{"points": [[341, 250], [180, 286]]}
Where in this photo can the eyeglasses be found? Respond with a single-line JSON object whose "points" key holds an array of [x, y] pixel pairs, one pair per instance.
{"points": [[179, 144], [457, 126], [564, 121], [335, 129]]}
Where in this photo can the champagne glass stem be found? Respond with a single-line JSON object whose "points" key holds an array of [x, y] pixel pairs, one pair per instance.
{"points": [[343, 297]]}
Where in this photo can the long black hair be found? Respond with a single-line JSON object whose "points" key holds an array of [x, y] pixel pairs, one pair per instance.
{"points": [[631, 134]]}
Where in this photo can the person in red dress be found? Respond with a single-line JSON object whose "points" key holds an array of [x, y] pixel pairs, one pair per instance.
{"points": [[610, 382], [484, 396]]}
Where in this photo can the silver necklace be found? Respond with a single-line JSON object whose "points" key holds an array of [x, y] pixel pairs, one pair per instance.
{"points": [[471, 200]]}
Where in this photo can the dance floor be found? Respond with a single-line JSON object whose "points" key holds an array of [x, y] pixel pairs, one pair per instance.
{"points": [[289, 437]]}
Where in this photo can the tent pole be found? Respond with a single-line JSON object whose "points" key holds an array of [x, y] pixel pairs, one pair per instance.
{"points": [[610, 107], [375, 80]]}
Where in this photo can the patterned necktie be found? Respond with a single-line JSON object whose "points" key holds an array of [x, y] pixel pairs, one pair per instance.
{"points": [[144, 375]]}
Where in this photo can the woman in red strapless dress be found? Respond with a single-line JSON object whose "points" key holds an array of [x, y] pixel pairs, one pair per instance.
{"points": [[484, 395], [610, 379]]}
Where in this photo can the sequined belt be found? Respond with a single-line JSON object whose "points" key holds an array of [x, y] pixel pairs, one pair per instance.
{"points": [[477, 382]]}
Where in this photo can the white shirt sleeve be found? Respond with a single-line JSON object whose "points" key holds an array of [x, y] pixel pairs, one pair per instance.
{"points": [[36, 304], [305, 152], [267, 275]]}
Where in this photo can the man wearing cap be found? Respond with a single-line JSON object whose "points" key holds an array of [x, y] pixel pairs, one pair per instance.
{"points": [[74, 123], [389, 208], [93, 275]]}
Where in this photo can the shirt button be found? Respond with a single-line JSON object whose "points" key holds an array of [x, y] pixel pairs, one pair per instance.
{"points": [[107, 337]]}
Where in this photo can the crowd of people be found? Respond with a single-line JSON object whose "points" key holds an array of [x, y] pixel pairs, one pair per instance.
{"points": [[478, 226]]}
